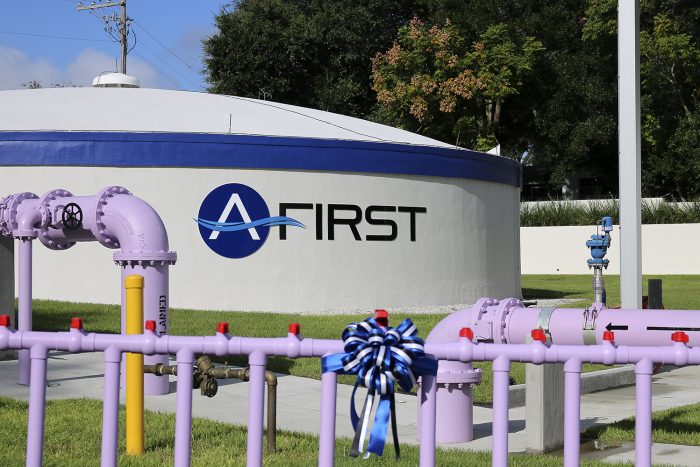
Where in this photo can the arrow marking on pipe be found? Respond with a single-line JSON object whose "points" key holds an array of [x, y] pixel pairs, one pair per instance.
{"points": [[669, 328], [617, 327]]}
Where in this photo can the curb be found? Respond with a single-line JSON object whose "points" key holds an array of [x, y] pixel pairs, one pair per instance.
{"points": [[590, 382]]}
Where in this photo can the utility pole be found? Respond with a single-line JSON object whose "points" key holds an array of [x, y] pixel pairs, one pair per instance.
{"points": [[629, 128], [123, 26]]}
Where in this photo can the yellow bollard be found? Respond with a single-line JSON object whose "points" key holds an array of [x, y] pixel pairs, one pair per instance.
{"points": [[134, 367]]}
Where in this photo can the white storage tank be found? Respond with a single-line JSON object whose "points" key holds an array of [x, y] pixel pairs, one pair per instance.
{"points": [[270, 207]]}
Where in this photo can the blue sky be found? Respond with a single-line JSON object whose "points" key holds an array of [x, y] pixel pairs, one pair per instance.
{"points": [[179, 25]]}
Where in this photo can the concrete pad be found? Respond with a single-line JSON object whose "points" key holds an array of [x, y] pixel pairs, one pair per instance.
{"points": [[80, 375]]}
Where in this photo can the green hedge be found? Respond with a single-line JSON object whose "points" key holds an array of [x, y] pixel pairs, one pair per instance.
{"points": [[569, 213]]}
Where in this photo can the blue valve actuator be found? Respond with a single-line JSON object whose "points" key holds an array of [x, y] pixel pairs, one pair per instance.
{"points": [[599, 244]]}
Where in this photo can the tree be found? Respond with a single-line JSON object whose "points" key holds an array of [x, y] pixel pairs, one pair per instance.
{"points": [[432, 81], [670, 91], [313, 53]]}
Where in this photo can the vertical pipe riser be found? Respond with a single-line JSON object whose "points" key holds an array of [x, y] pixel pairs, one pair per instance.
{"points": [[642, 428], [428, 406], [572, 413], [37, 407], [24, 321], [183, 409], [326, 449], [501, 382], [156, 302], [256, 408]]}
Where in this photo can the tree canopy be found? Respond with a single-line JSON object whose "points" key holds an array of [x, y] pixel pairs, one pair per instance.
{"points": [[539, 78]]}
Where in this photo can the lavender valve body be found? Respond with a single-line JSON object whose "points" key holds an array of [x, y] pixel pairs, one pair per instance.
{"points": [[115, 219]]}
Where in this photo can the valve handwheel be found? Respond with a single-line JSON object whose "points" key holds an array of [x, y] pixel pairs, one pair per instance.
{"points": [[72, 216]]}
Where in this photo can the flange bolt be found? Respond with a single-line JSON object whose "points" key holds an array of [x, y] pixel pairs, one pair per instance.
{"points": [[222, 328], [538, 335], [680, 336], [466, 332]]}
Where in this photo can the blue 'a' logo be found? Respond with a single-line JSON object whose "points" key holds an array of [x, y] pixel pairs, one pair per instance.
{"points": [[234, 220]]}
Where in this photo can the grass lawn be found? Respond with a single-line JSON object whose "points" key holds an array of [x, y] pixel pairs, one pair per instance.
{"points": [[73, 437], [679, 292], [680, 425]]}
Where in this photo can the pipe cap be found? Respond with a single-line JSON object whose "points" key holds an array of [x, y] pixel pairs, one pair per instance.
{"points": [[538, 335], [5, 321], [76, 323], [680, 336], [222, 327], [133, 281], [150, 325], [609, 336], [466, 332], [295, 328], [381, 317]]}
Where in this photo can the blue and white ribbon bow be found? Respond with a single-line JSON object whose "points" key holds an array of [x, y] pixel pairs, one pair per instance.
{"points": [[381, 358]]}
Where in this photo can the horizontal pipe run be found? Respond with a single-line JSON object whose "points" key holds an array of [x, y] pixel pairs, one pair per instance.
{"points": [[464, 350]]}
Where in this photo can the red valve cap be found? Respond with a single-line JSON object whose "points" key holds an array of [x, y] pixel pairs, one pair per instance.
{"points": [[5, 321], [150, 325], [466, 332], [680, 336], [381, 317], [295, 328], [222, 328], [609, 336], [76, 323], [538, 335]]}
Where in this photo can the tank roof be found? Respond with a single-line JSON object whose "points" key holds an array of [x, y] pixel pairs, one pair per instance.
{"points": [[158, 110]]}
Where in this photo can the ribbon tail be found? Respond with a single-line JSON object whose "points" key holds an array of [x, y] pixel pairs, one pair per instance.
{"points": [[394, 431], [361, 428], [354, 418], [381, 425]]}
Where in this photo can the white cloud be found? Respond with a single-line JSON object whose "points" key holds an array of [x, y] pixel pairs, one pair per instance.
{"points": [[17, 68]]}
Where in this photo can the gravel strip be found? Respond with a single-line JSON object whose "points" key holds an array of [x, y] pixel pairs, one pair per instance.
{"points": [[432, 309]]}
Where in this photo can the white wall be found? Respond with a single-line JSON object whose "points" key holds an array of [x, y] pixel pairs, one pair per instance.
{"points": [[467, 244], [666, 249]]}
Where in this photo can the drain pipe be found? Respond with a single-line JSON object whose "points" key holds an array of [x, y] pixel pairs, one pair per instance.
{"points": [[115, 219], [204, 371]]}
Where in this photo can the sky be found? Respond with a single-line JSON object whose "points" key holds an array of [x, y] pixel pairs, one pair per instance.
{"points": [[168, 51]]}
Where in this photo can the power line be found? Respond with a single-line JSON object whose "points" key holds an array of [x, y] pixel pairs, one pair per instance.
{"points": [[47, 36], [171, 67], [164, 46], [161, 72]]}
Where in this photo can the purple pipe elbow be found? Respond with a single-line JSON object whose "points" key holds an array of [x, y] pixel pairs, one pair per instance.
{"points": [[114, 218]]}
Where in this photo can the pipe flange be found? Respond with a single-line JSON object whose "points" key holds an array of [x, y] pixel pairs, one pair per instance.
{"points": [[8, 211], [145, 258], [499, 319], [471, 376], [102, 199], [480, 308], [52, 220]]}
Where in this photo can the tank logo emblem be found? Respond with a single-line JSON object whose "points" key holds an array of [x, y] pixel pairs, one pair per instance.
{"points": [[234, 220]]}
